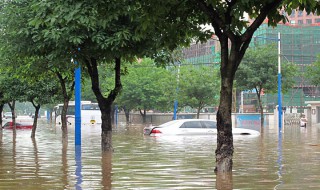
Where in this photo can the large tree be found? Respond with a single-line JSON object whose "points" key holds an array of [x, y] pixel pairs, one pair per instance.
{"points": [[258, 71], [198, 86], [40, 92], [313, 72], [20, 41], [107, 32], [146, 87], [235, 34]]}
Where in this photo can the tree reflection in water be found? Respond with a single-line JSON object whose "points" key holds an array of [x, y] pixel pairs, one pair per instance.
{"points": [[224, 181], [106, 166], [64, 166]]}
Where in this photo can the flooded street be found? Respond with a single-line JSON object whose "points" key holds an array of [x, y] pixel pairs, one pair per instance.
{"points": [[143, 162]]}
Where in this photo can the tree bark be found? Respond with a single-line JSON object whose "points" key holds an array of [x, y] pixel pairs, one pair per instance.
{"points": [[261, 109], [35, 119], [104, 103], [1, 110], [144, 115], [127, 113], [224, 151], [12, 108], [198, 110], [66, 98]]}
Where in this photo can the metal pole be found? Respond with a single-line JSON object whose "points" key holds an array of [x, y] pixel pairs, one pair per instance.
{"points": [[241, 105], [175, 106], [116, 115], [77, 105], [279, 86]]}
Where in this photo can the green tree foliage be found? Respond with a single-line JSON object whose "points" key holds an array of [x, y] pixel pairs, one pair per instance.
{"points": [[198, 87], [39, 93], [147, 87], [259, 71], [313, 72], [23, 46], [107, 31]]}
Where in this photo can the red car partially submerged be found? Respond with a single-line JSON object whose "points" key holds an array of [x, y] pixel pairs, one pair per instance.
{"points": [[9, 125]]}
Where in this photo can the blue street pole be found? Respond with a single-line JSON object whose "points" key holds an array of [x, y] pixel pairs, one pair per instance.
{"points": [[279, 86], [175, 104], [175, 107], [77, 105], [116, 115], [279, 80]]}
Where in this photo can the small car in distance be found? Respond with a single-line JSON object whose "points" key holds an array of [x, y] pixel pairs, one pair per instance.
{"points": [[192, 127], [7, 115], [9, 125]]}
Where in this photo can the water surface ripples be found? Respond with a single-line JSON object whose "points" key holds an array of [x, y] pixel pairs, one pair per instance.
{"points": [[142, 162]]}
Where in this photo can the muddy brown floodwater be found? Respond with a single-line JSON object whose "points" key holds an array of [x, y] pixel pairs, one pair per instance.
{"points": [[143, 162]]}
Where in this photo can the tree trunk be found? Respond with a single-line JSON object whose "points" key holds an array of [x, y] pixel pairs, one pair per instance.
{"points": [[64, 126], [144, 115], [198, 111], [12, 106], [66, 98], [1, 110], [127, 113], [224, 151], [261, 110], [104, 103], [106, 128], [35, 119]]}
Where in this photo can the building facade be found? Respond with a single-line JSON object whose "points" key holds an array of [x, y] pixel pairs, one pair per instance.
{"points": [[300, 44]]}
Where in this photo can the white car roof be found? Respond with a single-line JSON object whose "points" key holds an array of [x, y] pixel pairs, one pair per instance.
{"points": [[182, 121]]}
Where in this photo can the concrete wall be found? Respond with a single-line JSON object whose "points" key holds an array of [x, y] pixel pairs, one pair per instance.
{"points": [[239, 120]]}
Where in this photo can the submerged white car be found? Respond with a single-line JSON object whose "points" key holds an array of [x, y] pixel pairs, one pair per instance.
{"points": [[192, 127]]}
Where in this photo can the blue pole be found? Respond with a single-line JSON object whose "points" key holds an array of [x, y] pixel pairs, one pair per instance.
{"points": [[77, 105], [279, 85], [48, 116], [279, 102], [175, 110], [116, 115], [175, 104]]}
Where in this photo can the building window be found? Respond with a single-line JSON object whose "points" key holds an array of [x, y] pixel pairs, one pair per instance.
{"points": [[293, 13], [300, 21], [309, 21], [300, 13], [292, 21], [317, 20]]}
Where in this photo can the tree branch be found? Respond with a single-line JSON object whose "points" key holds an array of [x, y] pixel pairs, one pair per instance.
{"points": [[258, 21], [215, 18]]}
